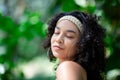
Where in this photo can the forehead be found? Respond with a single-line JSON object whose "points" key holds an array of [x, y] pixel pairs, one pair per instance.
{"points": [[66, 24]]}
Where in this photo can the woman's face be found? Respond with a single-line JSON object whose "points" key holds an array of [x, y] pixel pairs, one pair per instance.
{"points": [[64, 40]]}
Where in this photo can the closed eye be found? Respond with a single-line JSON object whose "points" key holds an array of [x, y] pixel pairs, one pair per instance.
{"points": [[57, 30], [70, 37], [56, 33]]}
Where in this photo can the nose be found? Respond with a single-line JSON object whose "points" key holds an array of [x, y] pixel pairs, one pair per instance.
{"points": [[59, 39]]}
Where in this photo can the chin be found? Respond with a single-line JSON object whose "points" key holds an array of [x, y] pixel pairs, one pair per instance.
{"points": [[56, 54]]}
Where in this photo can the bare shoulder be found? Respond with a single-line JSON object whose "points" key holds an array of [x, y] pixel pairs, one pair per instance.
{"points": [[69, 65], [69, 70]]}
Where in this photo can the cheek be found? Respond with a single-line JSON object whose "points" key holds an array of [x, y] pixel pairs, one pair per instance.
{"points": [[71, 47], [52, 40], [71, 43]]}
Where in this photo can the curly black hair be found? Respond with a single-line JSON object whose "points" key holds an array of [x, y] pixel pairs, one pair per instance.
{"points": [[91, 54]]}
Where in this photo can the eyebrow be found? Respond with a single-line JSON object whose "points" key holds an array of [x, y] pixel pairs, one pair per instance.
{"points": [[67, 30]]}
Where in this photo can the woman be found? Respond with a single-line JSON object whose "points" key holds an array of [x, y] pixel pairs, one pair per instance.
{"points": [[77, 40]]}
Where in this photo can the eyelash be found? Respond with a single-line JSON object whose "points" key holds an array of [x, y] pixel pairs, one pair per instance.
{"points": [[70, 37], [57, 33]]}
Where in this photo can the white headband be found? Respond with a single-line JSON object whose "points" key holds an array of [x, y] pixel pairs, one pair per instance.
{"points": [[74, 20]]}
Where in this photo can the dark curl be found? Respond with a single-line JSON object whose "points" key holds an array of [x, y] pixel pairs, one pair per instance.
{"points": [[91, 53]]}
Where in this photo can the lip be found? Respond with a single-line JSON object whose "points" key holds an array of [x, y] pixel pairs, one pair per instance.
{"points": [[57, 47]]}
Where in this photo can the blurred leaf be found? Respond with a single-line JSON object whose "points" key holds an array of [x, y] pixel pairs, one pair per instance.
{"points": [[69, 5]]}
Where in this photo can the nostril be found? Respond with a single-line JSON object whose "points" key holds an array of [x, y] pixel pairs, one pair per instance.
{"points": [[59, 40]]}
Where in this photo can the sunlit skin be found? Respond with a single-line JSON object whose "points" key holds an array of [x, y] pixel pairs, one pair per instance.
{"points": [[64, 47], [64, 40]]}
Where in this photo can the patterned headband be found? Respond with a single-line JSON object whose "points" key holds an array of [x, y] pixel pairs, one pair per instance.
{"points": [[74, 20]]}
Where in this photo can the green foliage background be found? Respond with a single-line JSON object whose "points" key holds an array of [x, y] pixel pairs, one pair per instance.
{"points": [[21, 39]]}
